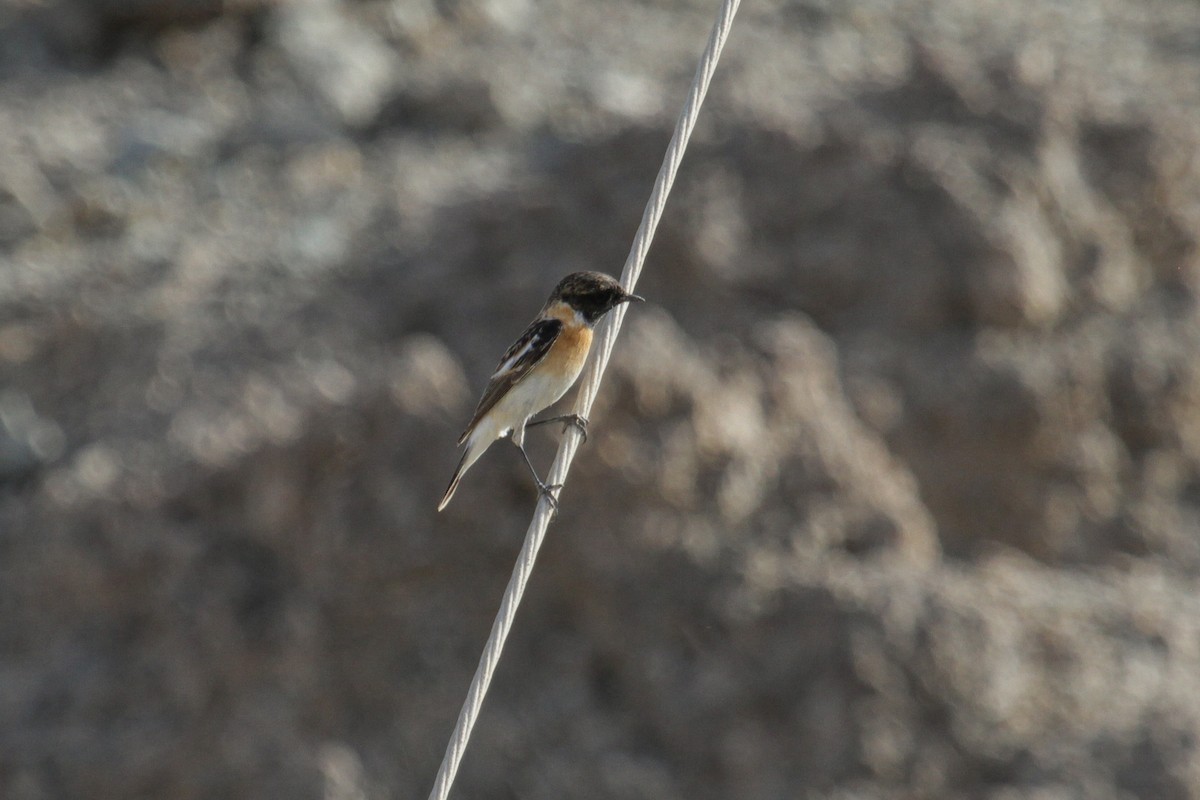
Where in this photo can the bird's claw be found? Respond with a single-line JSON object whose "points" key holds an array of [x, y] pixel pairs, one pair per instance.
{"points": [[568, 419], [579, 422], [548, 491]]}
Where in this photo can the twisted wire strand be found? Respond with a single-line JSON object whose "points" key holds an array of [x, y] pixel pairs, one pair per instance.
{"points": [[572, 437]]}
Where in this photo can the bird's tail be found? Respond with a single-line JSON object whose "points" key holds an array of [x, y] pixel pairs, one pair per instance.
{"points": [[469, 457]]}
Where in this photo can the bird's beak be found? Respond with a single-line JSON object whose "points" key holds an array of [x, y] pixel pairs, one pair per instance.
{"points": [[632, 298]]}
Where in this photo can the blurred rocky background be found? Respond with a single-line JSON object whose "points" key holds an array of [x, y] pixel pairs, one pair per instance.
{"points": [[893, 488]]}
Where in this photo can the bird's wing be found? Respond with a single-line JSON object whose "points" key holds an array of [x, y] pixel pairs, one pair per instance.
{"points": [[524, 354]]}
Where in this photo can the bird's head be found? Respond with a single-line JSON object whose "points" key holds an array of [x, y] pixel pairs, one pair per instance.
{"points": [[591, 294]]}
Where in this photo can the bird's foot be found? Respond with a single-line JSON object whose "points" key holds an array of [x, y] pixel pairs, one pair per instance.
{"points": [[570, 419], [544, 490], [548, 492]]}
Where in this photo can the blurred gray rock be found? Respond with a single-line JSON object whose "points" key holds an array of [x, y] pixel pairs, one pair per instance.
{"points": [[346, 62]]}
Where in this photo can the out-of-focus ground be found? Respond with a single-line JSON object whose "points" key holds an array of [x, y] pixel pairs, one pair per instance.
{"points": [[893, 488]]}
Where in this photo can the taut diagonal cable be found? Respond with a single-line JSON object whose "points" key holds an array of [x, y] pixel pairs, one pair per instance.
{"points": [[583, 404]]}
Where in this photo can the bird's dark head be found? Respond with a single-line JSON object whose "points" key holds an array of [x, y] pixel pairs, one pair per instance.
{"points": [[592, 294]]}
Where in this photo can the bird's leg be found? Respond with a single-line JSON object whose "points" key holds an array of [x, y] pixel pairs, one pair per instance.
{"points": [[571, 419], [543, 489]]}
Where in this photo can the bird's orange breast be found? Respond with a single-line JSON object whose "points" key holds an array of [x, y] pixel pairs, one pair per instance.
{"points": [[570, 351]]}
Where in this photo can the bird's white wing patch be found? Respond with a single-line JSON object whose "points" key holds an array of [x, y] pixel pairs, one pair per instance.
{"points": [[530, 348], [527, 345]]}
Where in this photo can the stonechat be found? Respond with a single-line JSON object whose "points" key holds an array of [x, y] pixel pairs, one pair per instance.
{"points": [[538, 369]]}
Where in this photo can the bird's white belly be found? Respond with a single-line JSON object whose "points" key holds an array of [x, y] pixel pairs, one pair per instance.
{"points": [[527, 398]]}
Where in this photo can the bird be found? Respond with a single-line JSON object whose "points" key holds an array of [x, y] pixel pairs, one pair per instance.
{"points": [[538, 369]]}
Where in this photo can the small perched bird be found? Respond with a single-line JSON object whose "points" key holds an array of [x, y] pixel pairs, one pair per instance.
{"points": [[538, 369]]}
